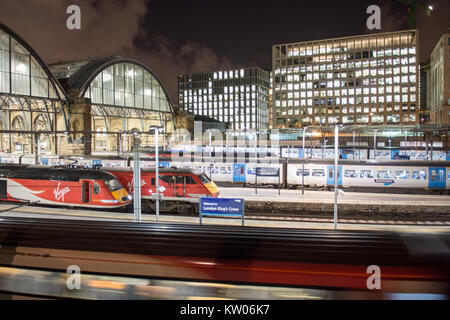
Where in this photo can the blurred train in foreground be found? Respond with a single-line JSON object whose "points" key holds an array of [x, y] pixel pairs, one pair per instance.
{"points": [[179, 188], [122, 260], [61, 187]]}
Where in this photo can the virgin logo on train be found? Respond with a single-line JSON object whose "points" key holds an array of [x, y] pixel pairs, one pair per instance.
{"points": [[59, 193], [131, 184]]}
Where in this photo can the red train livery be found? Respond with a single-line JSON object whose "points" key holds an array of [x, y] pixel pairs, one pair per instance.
{"points": [[180, 188], [61, 187]]}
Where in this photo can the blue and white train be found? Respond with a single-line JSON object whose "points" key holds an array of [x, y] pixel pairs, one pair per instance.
{"points": [[398, 174], [374, 174]]}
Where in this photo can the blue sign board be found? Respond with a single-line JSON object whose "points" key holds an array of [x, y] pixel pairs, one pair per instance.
{"points": [[96, 163], [222, 207], [267, 172]]}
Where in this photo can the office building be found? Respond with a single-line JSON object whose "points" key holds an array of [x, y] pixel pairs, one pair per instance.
{"points": [[237, 97], [438, 77], [360, 80]]}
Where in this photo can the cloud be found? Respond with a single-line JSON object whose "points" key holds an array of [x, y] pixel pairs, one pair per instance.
{"points": [[108, 27]]}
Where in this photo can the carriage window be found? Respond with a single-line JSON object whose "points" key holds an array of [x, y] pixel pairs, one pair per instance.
{"points": [[96, 188], [318, 173], [190, 180], [366, 174], [166, 179], [419, 175], [403, 174], [153, 181], [304, 173], [350, 174], [180, 179], [384, 174]]}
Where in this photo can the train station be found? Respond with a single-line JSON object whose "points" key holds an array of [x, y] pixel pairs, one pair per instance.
{"points": [[54, 110], [323, 176]]}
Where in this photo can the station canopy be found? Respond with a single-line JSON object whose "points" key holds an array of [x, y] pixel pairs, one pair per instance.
{"points": [[117, 87], [29, 93]]}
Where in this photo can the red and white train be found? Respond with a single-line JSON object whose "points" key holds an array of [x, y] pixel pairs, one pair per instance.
{"points": [[179, 188], [61, 186]]}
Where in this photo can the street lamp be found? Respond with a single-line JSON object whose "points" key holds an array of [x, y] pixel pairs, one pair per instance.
{"points": [[406, 138], [157, 129], [136, 178], [336, 157], [375, 144], [303, 162]]}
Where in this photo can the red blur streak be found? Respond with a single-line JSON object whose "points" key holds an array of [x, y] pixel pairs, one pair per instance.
{"points": [[273, 272]]}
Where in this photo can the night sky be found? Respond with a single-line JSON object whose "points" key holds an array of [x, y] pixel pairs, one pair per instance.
{"points": [[176, 37]]}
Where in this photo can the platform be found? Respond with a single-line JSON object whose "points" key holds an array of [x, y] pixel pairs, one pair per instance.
{"points": [[350, 204], [80, 214]]}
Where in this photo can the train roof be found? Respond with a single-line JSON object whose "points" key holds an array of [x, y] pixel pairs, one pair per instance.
{"points": [[172, 170], [24, 171], [372, 162]]}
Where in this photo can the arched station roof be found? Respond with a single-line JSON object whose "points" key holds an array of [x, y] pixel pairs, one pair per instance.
{"points": [[16, 66], [114, 81]]}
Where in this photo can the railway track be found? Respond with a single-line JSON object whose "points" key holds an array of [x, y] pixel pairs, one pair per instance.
{"points": [[120, 216]]}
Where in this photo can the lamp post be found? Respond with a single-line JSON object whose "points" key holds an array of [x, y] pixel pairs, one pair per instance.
{"points": [[406, 138], [336, 153], [136, 178], [156, 129], [375, 144], [303, 162]]}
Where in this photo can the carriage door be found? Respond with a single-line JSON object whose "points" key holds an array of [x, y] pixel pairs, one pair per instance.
{"points": [[180, 186], [437, 178], [85, 191], [239, 173], [330, 176], [3, 189]]}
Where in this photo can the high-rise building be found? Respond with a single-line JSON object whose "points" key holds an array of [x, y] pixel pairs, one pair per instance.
{"points": [[360, 80], [238, 97], [438, 77]]}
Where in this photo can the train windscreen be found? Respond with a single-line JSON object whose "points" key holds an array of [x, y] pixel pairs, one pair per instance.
{"points": [[204, 178], [113, 184]]}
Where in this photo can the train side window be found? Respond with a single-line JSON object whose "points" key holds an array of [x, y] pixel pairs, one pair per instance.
{"points": [[448, 174], [384, 174], [350, 174], [96, 188], [304, 173], [403, 174], [366, 174], [166, 179], [419, 175], [318, 173], [180, 179], [153, 181], [190, 180]]}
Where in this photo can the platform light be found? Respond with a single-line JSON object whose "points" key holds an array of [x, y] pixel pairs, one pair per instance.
{"points": [[157, 130]]}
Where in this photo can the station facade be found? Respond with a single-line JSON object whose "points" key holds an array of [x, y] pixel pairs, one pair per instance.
{"points": [[76, 107]]}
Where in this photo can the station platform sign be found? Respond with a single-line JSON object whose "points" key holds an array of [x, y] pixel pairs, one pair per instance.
{"points": [[222, 207]]}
